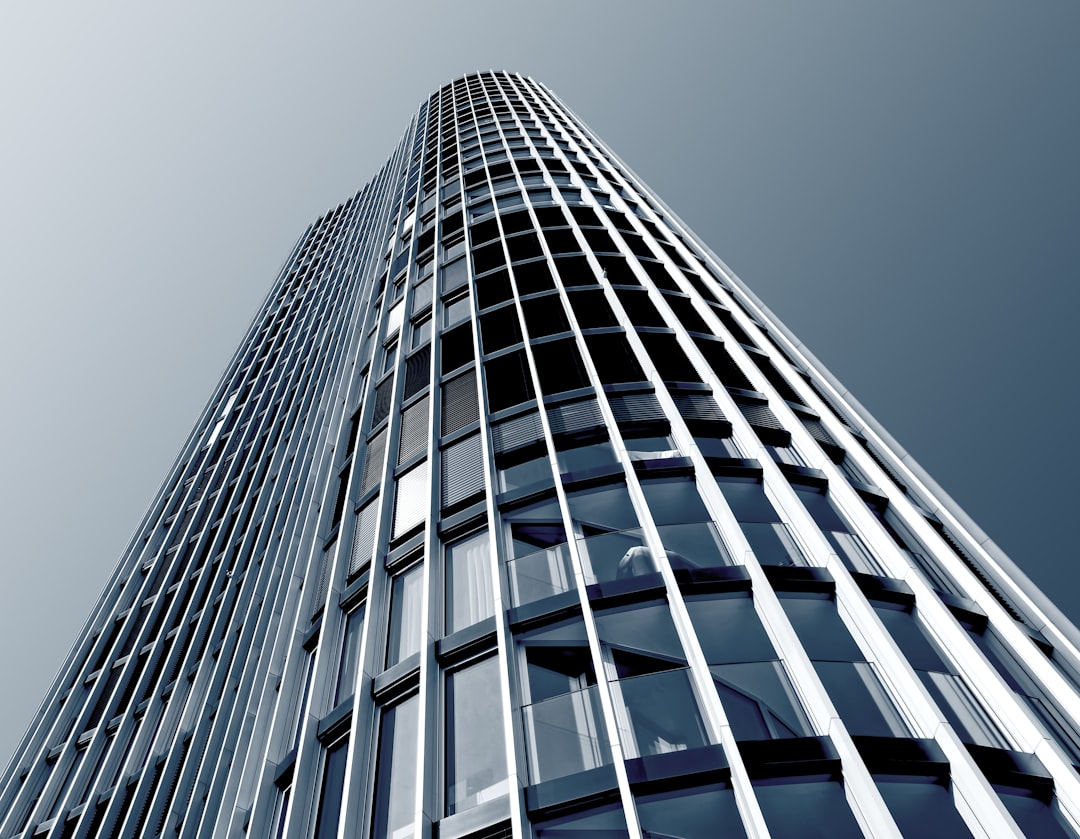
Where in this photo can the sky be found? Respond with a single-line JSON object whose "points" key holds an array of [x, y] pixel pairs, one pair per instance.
{"points": [[899, 183]]}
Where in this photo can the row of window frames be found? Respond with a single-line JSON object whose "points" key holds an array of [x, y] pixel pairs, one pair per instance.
{"points": [[771, 713], [474, 756]]}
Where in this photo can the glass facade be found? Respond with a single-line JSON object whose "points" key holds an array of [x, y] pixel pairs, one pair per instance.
{"points": [[517, 514]]}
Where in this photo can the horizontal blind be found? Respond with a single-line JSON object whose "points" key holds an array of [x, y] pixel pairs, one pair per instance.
{"points": [[463, 471], [575, 417], [460, 406], [517, 432], [373, 462], [363, 536], [414, 431]]}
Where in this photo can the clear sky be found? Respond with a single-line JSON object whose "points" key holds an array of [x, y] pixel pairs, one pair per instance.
{"points": [[898, 182]]}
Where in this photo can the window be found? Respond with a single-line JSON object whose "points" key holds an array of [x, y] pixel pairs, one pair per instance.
{"points": [[754, 689], [961, 707], [406, 615], [852, 683], [421, 333], [456, 311], [647, 671], [564, 728], [475, 749], [350, 655], [469, 595], [576, 456], [395, 772], [411, 500], [608, 534], [539, 563], [923, 807], [797, 808], [698, 813], [849, 547], [770, 539], [509, 381], [522, 468], [685, 526], [330, 796]]}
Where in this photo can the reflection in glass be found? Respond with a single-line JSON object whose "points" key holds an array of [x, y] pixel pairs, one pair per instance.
{"points": [[923, 807], [333, 783], [564, 728], [350, 653], [659, 714], [469, 597], [772, 543], [603, 823], [540, 574], [860, 699], [699, 813], [406, 620], [583, 458], [615, 555], [759, 701], [694, 545], [475, 750], [395, 772], [806, 809], [565, 734], [539, 563]]}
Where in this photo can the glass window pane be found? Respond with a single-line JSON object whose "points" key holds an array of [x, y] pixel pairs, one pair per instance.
{"points": [[747, 500], [406, 618], [605, 823], [586, 457], [820, 629], [469, 597], [807, 810], [643, 631], [915, 646], [602, 510], [820, 508], [772, 543], [326, 822], [729, 629], [674, 501], [350, 653], [923, 807], [395, 772], [1035, 816], [700, 813], [860, 699], [759, 701], [659, 714], [475, 749]]}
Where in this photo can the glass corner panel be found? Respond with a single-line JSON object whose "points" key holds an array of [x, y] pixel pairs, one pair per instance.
{"points": [[565, 735]]}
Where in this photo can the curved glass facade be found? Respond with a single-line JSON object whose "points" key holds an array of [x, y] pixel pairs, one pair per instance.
{"points": [[516, 514]]}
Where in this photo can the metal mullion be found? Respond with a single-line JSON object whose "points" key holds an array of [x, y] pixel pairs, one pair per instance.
{"points": [[803, 674], [603, 690]]}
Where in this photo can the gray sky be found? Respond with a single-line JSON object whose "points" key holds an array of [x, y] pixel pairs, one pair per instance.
{"points": [[899, 183]]}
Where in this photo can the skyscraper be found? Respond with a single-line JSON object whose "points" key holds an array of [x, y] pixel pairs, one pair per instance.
{"points": [[516, 513]]}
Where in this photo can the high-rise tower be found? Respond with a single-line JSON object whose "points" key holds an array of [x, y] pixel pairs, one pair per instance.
{"points": [[517, 514]]}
